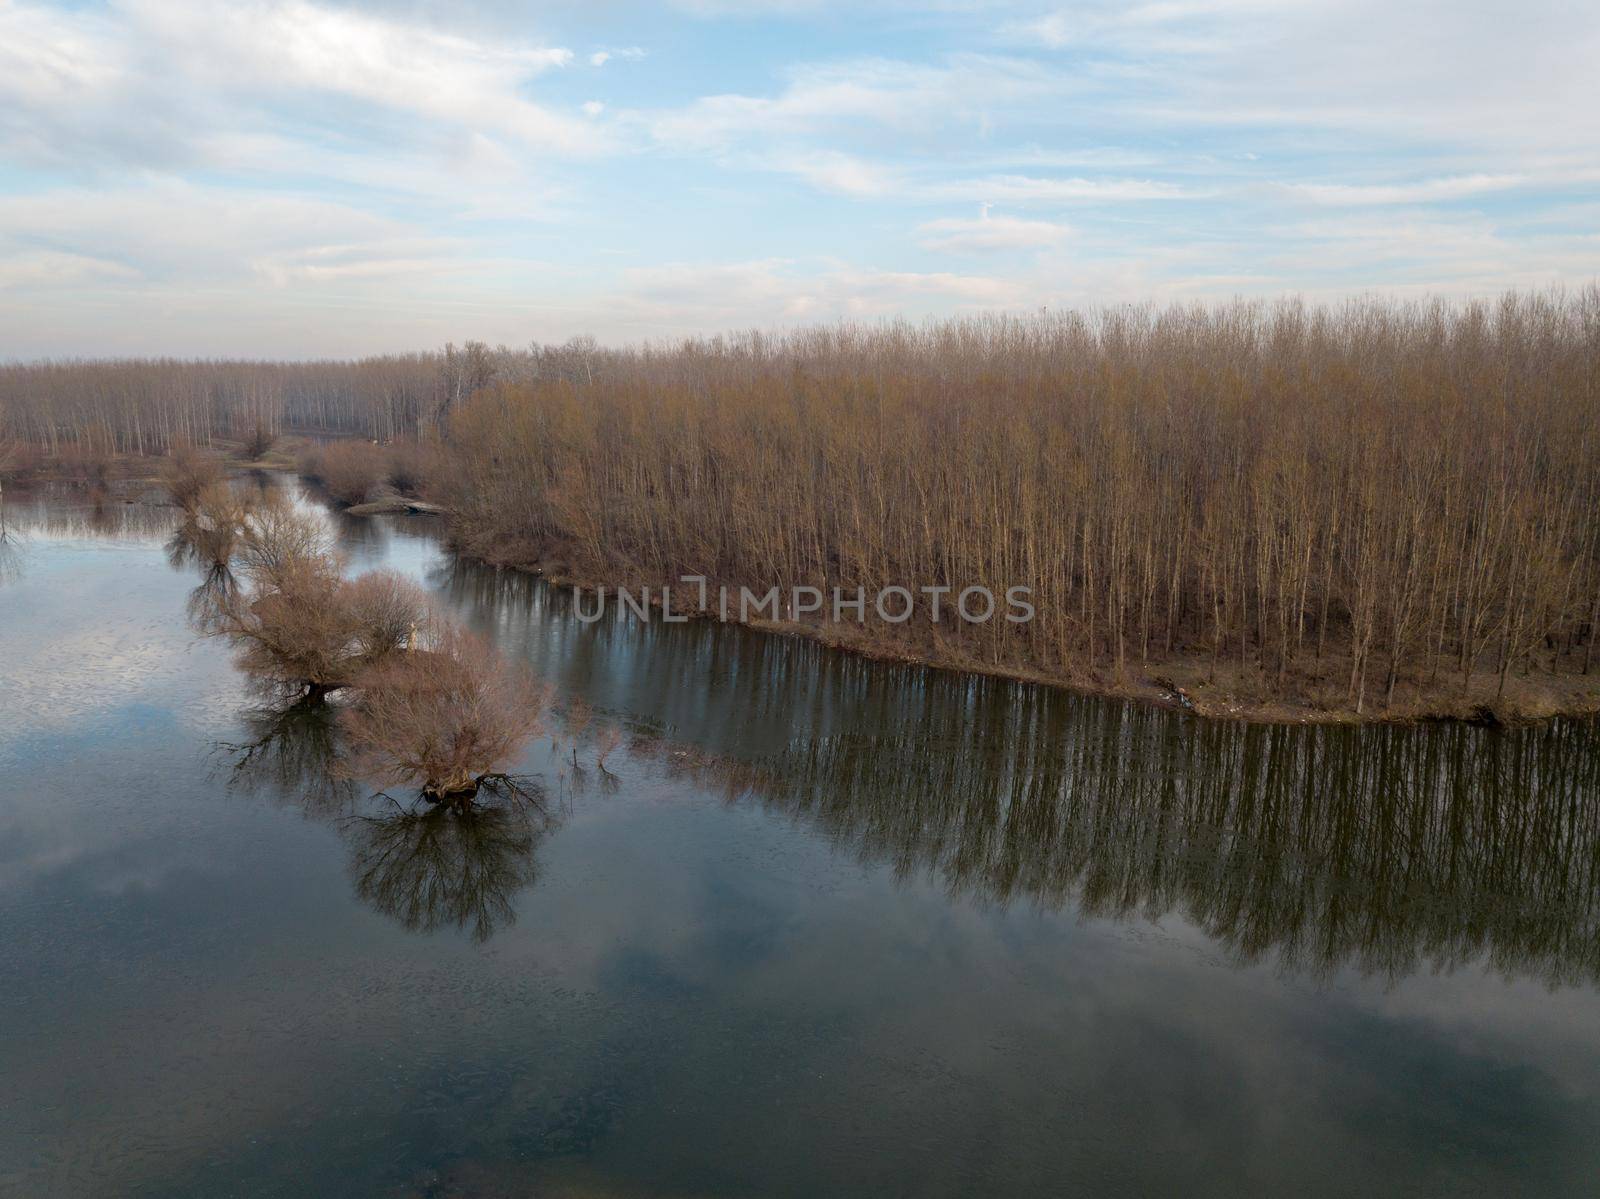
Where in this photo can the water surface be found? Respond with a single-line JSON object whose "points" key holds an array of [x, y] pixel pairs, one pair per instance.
{"points": [[825, 927]]}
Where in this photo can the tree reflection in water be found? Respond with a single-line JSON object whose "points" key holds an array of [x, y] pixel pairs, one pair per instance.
{"points": [[449, 866], [10, 553], [1389, 850], [291, 753], [428, 868], [218, 584]]}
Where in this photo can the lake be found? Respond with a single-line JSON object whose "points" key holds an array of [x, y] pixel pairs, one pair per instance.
{"points": [[821, 926]]}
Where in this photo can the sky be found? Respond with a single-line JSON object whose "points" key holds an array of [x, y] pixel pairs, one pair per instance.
{"points": [[290, 178]]}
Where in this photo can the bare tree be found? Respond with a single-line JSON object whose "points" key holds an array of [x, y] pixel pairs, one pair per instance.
{"points": [[449, 718]]}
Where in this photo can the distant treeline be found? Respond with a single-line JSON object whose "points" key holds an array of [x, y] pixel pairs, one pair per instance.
{"points": [[147, 405], [1343, 501]]}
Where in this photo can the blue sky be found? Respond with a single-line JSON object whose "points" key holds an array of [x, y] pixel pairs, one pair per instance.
{"points": [[302, 177]]}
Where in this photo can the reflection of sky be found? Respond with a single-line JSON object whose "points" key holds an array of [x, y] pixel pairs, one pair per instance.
{"points": [[696, 997]]}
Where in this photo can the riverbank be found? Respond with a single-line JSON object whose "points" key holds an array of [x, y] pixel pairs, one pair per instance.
{"points": [[1313, 693]]}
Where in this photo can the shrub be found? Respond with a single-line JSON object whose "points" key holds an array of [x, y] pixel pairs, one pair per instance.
{"points": [[413, 466], [351, 470], [258, 439], [277, 535], [187, 473], [446, 717], [302, 625], [217, 525], [308, 460], [86, 464]]}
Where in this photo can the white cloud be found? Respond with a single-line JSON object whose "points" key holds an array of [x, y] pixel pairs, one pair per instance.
{"points": [[1475, 72], [145, 79], [57, 268], [1164, 26], [699, 298], [833, 171], [275, 45], [1422, 192], [988, 234], [1045, 190], [201, 236], [600, 57], [963, 90], [205, 176]]}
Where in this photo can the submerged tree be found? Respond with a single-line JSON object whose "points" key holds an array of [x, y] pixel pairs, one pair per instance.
{"points": [[188, 473], [277, 536], [214, 527], [449, 717], [300, 624], [316, 630]]}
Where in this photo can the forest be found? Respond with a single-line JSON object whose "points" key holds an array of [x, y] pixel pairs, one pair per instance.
{"points": [[1273, 509]]}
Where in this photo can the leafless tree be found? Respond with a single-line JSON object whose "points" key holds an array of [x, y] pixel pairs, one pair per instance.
{"points": [[447, 718]]}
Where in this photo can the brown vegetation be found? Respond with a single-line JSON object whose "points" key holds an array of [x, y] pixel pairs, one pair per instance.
{"points": [[258, 440], [301, 623], [413, 466], [279, 535], [18, 459], [187, 472], [1381, 506], [87, 464], [316, 629], [350, 471], [447, 717], [218, 524], [143, 407]]}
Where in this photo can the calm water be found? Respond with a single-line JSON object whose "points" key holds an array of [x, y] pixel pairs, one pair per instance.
{"points": [[830, 928]]}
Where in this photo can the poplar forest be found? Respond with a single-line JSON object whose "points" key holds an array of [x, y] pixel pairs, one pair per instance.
{"points": [[1381, 509]]}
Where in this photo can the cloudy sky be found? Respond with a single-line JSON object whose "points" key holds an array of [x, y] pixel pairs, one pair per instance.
{"points": [[291, 177]]}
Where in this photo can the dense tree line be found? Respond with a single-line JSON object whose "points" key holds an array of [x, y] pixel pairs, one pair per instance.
{"points": [[1375, 495]]}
